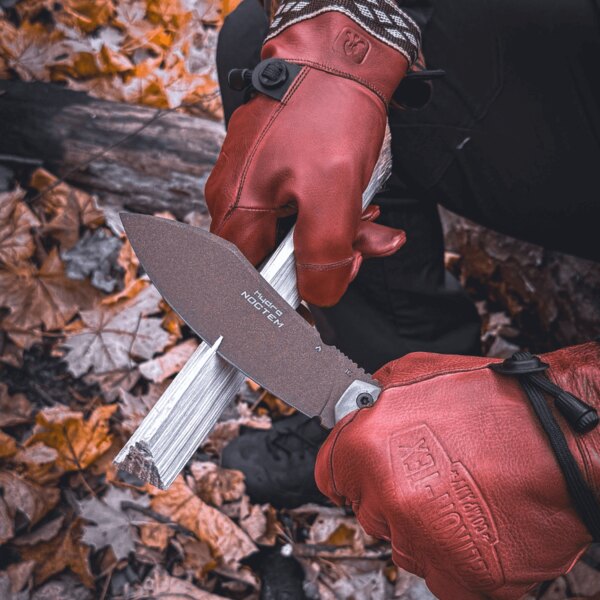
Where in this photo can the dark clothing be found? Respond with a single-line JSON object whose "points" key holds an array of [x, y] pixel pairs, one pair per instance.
{"points": [[510, 139]]}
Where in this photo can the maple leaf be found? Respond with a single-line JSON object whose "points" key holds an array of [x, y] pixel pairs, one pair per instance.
{"points": [[225, 539], [16, 222], [30, 49], [67, 209], [20, 496], [86, 15], [114, 526], [111, 336], [41, 296], [63, 551], [160, 368], [79, 442], [134, 408]]}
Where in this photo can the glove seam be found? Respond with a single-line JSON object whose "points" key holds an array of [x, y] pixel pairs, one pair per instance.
{"points": [[326, 267], [431, 376], [333, 71], [301, 76]]}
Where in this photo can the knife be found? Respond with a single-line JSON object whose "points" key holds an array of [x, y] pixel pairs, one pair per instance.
{"points": [[182, 418]]}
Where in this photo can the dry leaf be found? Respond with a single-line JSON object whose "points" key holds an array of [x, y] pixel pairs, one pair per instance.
{"points": [[159, 584], [16, 222], [30, 50], [67, 208], [8, 445], [16, 577], [112, 525], [44, 533], [226, 540], [129, 262], [87, 15], [39, 463], [160, 368], [25, 497], [198, 558], [335, 530], [79, 442], [156, 535], [259, 522], [61, 552], [110, 337], [41, 296], [14, 410], [216, 485], [134, 408]]}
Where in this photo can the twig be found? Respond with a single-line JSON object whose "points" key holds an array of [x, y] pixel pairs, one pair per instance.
{"points": [[157, 517]]}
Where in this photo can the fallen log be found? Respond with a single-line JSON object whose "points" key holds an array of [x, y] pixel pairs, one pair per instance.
{"points": [[132, 157]]}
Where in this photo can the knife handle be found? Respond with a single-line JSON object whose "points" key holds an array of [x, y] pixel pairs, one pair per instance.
{"points": [[191, 406]]}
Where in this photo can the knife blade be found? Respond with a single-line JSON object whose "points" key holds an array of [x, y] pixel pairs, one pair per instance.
{"points": [[190, 407], [221, 296]]}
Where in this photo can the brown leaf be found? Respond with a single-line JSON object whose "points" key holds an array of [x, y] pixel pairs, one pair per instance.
{"points": [[226, 540], [225, 431], [67, 209], [22, 496], [87, 15], [156, 535], [159, 584], [8, 445], [112, 336], [61, 552], [129, 262], [39, 463], [216, 485], [79, 442], [260, 522], [134, 408], [14, 410], [16, 222], [44, 533], [30, 49], [198, 558], [41, 296], [18, 576], [160, 368]]}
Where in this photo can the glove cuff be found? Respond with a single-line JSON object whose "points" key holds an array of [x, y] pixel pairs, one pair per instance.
{"points": [[382, 19]]}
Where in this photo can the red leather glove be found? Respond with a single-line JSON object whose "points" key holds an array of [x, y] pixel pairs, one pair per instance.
{"points": [[314, 151], [452, 466]]}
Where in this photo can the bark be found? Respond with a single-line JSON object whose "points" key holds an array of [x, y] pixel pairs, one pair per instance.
{"points": [[554, 298], [162, 167]]}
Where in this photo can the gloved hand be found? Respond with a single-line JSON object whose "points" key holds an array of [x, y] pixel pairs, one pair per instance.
{"points": [[452, 466], [314, 152]]}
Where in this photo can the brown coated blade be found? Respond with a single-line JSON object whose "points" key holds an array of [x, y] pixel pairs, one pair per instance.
{"points": [[217, 292]]}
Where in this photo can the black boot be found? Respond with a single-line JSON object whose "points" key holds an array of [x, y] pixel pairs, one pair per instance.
{"points": [[279, 463]]}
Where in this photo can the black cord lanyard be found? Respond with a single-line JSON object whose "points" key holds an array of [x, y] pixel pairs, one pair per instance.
{"points": [[582, 418]]}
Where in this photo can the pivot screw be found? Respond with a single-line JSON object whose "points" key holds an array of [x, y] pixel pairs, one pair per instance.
{"points": [[364, 400]]}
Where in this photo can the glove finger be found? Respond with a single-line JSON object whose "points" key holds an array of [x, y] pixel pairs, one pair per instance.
{"points": [[373, 239], [370, 213], [252, 231], [325, 259]]}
